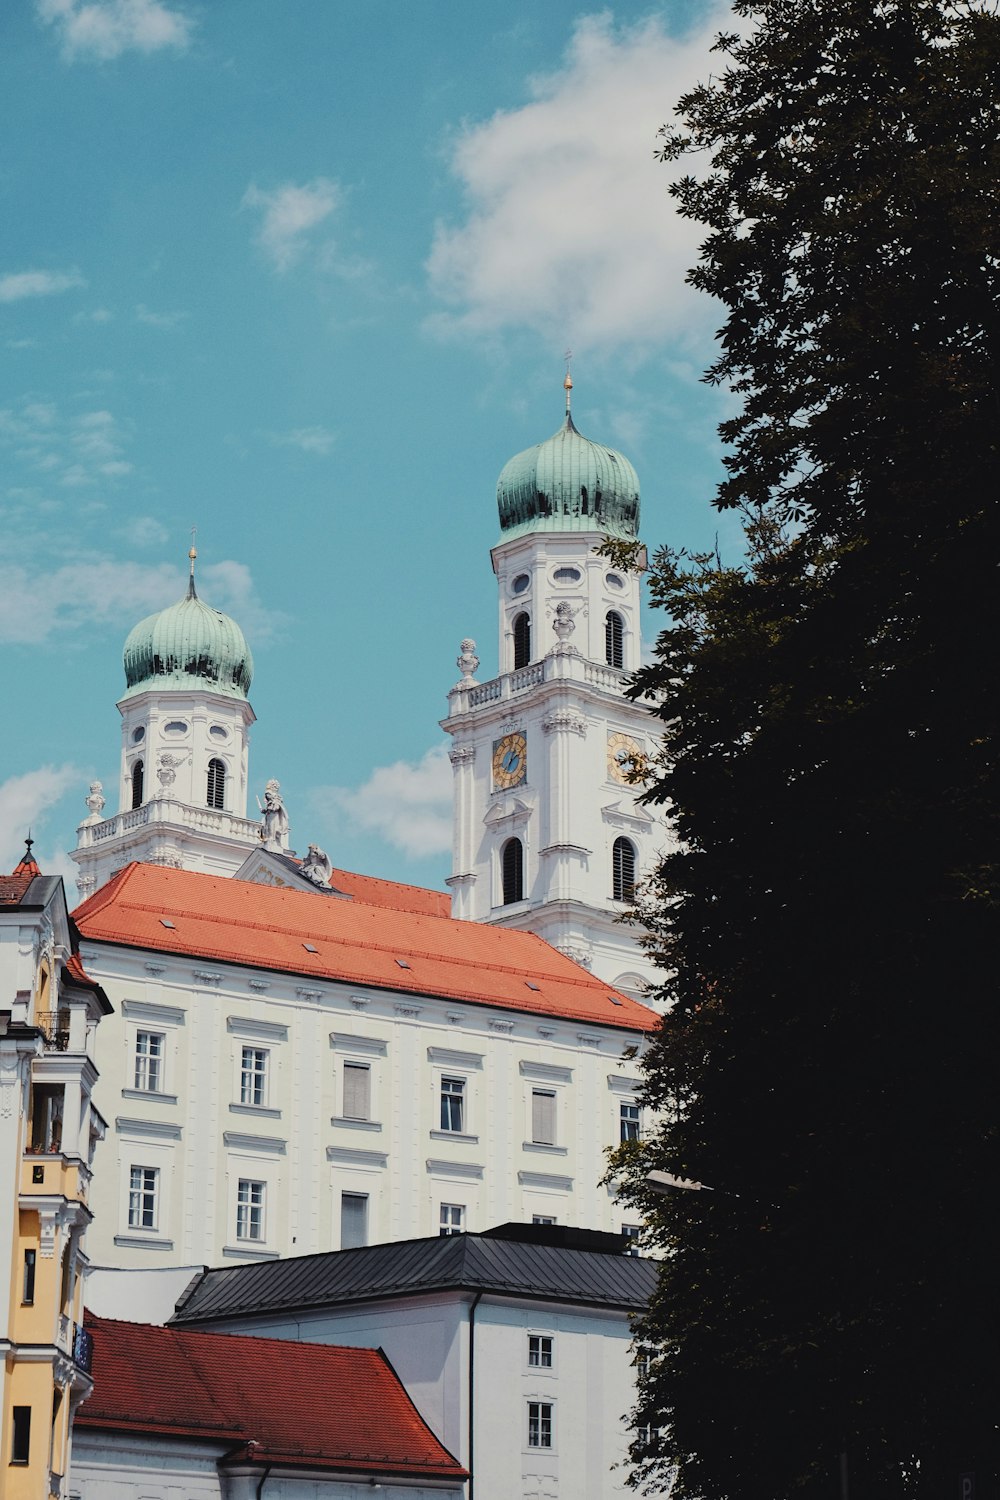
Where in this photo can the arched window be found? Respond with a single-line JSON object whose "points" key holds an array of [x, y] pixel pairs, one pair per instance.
{"points": [[512, 871], [137, 779], [216, 784], [614, 635], [522, 641], [623, 870]]}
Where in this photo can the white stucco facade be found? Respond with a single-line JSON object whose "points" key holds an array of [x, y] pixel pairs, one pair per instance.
{"points": [[330, 1169]]}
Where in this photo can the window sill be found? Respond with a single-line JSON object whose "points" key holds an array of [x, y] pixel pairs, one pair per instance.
{"points": [[152, 1094], [455, 1135], [345, 1122], [547, 1148], [250, 1251], [152, 1241], [261, 1110]]}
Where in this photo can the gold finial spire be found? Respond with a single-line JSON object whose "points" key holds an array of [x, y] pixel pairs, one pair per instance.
{"points": [[568, 382], [192, 555]]}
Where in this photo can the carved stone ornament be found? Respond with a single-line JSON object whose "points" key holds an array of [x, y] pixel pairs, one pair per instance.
{"points": [[462, 755], [577, 953], [274, 819], [316, 866], [563, 623], [95, 801], [467, 662], [8, 1085], [504, 1026], [166, 770], [85, 884], [566, 721]]}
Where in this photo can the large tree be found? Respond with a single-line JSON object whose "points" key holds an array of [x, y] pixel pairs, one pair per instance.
{"points": [[830, 923]]}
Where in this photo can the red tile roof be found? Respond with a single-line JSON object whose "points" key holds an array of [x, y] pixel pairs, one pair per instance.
{"points": [[14, 888], [268, 927], [391, 894], [315, 1406]]}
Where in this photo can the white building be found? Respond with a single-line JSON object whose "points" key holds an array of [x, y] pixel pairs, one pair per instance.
{"points": [[548, 835], [292, 1068]]}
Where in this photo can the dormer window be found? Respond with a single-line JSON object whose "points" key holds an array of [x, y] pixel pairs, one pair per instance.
{"points": [[522, 640], [614, 639], [138, 774], [216, 784]]}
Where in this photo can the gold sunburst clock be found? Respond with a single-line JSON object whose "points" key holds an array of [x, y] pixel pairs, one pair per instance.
{"points": [[624, 753], [510, 761]]}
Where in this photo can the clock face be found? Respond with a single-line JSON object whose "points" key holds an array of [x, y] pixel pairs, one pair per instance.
{"points": [[624, 753], [510, 760]]}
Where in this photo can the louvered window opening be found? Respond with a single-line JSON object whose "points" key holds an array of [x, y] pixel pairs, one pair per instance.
{"points": [[614, 639], [623, 873], [522, 641], [216, 784], [512, 871], [357, 1091], [353, 1220], [137, 783], [543, 1117]]}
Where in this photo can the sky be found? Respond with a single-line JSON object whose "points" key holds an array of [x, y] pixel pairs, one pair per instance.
{"points": [[302, 274]]}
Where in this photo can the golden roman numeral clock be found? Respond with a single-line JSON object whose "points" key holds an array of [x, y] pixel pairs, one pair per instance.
{"points": [[510, 761], [624, 754]]}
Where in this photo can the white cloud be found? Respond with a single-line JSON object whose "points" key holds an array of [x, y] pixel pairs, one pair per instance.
{"points": [[96, 315], [17, 285], [145, 531], [290, 212], [408, 804], [93, 591], [309, 439], [158, 319], [87, 449], [104, 29], [24, 801], [568, 228]]}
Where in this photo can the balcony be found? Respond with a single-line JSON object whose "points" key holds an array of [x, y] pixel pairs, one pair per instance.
{"points": [[83, 1349], [54, 1026], [560, 663], [169, 810]]}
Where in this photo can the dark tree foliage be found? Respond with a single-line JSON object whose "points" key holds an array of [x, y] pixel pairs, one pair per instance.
{"points": [[830, 923]]}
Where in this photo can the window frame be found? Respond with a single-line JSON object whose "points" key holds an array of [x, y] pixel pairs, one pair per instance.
{"points": [[520, 628], [511, 874], [365, 1219], [357, 1068], [448, 1097], [148, 1063], [546, 1346], [625, 1123], [540, 1091], [622, 873], [20, 1436], [254, 1079], [448, 1225], [542, 1420], [138, 782], [251, 1215], [143, 1198], [215, 788], [614, 639]]}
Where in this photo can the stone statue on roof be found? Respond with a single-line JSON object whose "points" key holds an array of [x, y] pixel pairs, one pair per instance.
{"points": [[316, 866], [95, 802], [274, 820]]}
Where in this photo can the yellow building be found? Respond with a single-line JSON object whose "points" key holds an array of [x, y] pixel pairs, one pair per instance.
{"points": [[49, 1012]]}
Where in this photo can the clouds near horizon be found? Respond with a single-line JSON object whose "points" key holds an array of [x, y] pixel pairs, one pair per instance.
{"points": [[568, 228]]}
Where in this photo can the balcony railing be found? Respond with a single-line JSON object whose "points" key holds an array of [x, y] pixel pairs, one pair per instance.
{"points": [[83, 1349], [55, 1029]]}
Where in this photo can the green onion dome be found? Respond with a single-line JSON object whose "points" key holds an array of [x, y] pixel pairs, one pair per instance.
{"points": [[569, 483], [188, 645]]}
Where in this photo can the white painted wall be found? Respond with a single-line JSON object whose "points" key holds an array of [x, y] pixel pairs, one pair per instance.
{"points": [[199, 1137]]}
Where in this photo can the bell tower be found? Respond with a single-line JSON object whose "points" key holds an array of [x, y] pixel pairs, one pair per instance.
{"points": [[182, 787], [548, 835]]}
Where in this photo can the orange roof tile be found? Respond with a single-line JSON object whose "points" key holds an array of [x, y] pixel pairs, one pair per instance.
{"points": [[312, 1405], [392, 894], [269, 927]]}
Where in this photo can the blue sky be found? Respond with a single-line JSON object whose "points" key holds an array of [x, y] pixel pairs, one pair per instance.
{"points": [[301, 273]]}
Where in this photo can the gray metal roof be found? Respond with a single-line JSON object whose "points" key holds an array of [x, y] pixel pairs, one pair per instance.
{"points": [[462, 1262]]}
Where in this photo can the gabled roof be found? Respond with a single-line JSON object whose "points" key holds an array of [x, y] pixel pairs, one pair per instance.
{"points": [[461, 1262], [275, 1401], [374, 892], [236, 921]]}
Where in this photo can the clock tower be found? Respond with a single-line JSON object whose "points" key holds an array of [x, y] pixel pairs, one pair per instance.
{"points": [[548, 835]]}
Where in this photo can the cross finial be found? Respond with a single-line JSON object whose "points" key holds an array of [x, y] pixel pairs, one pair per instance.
{"points": [[192, 554], [568, 382]]}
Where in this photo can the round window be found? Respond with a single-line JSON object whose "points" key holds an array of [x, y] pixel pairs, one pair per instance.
{"points": [[567, 575], [520, 583], [138, 735], [218, 733], [175, 726], [613, 581]]}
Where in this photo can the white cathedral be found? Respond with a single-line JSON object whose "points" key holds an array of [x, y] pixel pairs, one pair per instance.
{"points": [[302, 1058]]}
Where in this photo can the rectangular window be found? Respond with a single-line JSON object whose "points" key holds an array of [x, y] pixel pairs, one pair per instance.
{"points": [[148, 1061], [630, 1234], [540, 1351], [543, 1218], [543, 1117], [143, 1189], [452, 1219], [28, 1288], [250, 1210], [628, 1121], [353, 1220], [452, 1104], [539, 1424], [20, 1442], [357, 1091], [253, 1076]]}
